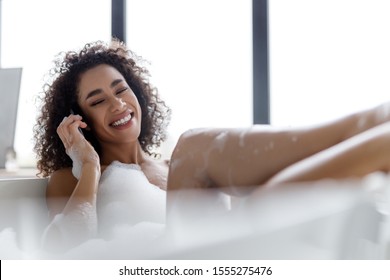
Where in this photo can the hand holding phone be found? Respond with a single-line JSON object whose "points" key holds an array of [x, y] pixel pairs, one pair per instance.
{"points": [[77, 148], [81, 131]]}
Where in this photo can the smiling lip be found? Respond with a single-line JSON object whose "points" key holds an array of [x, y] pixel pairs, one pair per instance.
{"points": [[123, 120]]}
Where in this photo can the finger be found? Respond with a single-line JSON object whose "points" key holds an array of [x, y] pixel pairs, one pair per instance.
{"points": [[74, 131], [61, 131], [72, 118], [83, 124], [68, 127], [65, 131]]}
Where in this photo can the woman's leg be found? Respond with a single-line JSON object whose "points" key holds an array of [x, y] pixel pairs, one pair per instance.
{"points": [[356, 157], [256, 156]]}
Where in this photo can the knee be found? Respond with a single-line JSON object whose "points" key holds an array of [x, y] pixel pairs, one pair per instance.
{"points": [[190, 142], [192, 134], [187, 168]]}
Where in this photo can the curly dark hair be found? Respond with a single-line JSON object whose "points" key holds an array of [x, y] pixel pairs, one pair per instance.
{"points": [[60, 97]]}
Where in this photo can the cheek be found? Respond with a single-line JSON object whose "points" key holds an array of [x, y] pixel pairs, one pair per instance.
{"points": [[134, 100], [97, 120]]}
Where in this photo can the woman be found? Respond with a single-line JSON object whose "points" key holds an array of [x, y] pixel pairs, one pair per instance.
{"points": [[104, 92]]}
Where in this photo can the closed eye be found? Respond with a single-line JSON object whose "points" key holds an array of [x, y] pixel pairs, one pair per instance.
{"points": [[121, 90], [97, 102]]}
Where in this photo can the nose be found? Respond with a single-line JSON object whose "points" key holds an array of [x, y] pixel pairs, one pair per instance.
{"points": [[117, 104]]}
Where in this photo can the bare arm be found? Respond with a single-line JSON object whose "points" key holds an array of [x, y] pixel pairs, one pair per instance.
{"points": [[72, 208], [64, 191], [72, 202]]}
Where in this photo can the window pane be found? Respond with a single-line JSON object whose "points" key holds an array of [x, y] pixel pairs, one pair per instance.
{"points": [[33, 32], [201, 58], [327, 58]]}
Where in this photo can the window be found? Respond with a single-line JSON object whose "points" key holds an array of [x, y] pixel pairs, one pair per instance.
{"points": [[33, 32], [327, 58], [200, 53], [201, 58]]}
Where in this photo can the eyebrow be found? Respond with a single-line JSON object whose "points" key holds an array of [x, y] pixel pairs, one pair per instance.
{"points": [[99, 90]]}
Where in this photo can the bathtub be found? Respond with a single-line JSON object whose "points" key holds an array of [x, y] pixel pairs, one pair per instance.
{"points": [[324, 220], [23, 209]]}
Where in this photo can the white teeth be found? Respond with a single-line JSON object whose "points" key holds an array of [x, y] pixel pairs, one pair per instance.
{"points": [[122, 121]]}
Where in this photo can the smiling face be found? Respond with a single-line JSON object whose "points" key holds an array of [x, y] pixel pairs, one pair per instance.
{"points": [[110, 106]]}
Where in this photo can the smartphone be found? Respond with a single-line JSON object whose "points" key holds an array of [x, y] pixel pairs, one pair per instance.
{"points": [[81, 131]]}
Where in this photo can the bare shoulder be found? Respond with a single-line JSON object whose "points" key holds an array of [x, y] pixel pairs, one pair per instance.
{"points": [[59, 189], [61, 183]]}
